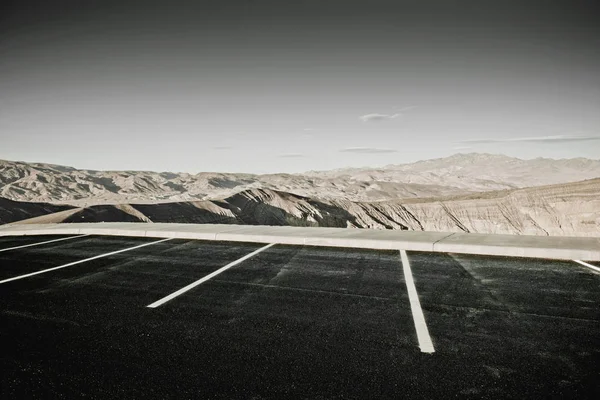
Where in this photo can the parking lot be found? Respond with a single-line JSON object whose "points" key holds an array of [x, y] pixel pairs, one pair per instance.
{"points": [[106, 317]]}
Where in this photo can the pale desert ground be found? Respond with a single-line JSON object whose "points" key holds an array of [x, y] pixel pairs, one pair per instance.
{"points": [[464, 193]]}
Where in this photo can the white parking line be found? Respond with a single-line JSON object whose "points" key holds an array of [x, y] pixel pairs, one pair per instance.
{"points": [[82, 261], [207, 277], [415, 306], [587, 265], [37, 244]]}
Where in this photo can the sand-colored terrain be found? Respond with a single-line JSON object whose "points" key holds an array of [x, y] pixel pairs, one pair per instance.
{"points": [[465, 192], [557, 210], [451, 176]]}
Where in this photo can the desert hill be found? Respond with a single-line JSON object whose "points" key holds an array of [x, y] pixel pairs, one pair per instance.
{"points": [[571, 209], [11, 211], [451, 176]]}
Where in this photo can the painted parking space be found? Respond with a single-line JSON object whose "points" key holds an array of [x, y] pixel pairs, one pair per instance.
{"points": [[207, 277], [357, 272], [507, 325], [537, 286], [9, 243], [317, 321], [31, 259]]}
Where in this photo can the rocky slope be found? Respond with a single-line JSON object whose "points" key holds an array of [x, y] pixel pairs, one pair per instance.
{"points": [[456, 175], [11, 211], [558, 210]]}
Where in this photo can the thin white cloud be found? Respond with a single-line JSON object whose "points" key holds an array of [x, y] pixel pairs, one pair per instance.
{"points": [[557, 138], [378, 117], [367, 150], [308, 132], [462, 147], [374, 117], [292, 155], [535, 139]]}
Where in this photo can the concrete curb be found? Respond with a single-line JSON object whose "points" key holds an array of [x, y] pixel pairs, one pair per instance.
{"points": [[568, 248]]}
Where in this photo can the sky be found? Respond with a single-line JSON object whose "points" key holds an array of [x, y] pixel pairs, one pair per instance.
{"points": [[289, 86]]}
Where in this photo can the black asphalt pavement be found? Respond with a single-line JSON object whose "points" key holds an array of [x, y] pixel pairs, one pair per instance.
{"points": [[291, 322], [7, 242]]}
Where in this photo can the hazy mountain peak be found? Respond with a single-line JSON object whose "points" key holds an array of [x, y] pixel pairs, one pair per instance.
{"points": [[454, 175]]}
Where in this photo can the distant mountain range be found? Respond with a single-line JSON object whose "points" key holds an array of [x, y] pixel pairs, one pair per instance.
{"points": [[466, 192], [451, 176]]}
